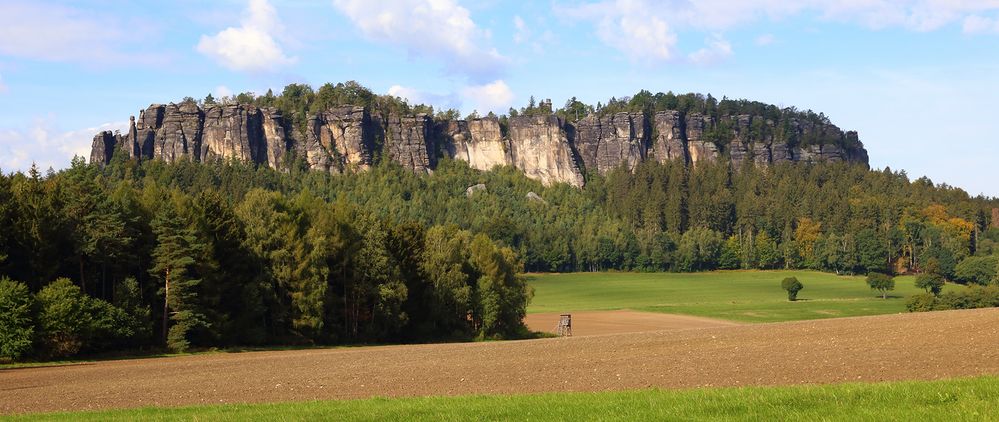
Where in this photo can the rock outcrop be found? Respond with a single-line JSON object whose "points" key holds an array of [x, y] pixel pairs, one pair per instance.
{"points": [[670, 142], [406, 143], [351, 138], [540, 148], [338, 139], [607, 142], [479, 142]]}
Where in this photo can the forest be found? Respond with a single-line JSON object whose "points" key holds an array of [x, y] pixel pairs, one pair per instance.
{"points": [[150, 255]]}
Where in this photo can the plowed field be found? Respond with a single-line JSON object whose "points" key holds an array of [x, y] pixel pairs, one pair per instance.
{"points": [[891, 347]]}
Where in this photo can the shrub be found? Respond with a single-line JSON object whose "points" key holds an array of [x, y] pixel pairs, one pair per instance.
{"points": [[16, 325], [922, 302], [970, 298], [793, 286]]}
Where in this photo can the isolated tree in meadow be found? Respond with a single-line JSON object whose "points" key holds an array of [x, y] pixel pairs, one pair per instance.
{"points": [[16, 326], [881, 282], [931, 282], [792, 286]]}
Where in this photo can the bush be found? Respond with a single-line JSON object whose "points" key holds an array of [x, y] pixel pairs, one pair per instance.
{"points": [[793, 286], [922, 302], [16, 325], [971, 298]]}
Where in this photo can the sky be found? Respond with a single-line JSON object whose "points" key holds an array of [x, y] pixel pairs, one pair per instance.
{"points": [[918, 79]]}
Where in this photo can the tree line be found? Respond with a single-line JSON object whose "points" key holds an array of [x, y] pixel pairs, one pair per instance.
{"points": [[133, 256]]}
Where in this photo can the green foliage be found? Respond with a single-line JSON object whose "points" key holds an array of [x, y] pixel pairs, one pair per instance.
{"points": [[980, 270], [178, 261], [69, 321], [971, 298], [792, 286], [699, 249], [932, 283], [16, 326], [881, 282]]}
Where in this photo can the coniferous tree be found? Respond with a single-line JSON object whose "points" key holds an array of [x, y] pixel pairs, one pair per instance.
{"points": [[175, 263]]}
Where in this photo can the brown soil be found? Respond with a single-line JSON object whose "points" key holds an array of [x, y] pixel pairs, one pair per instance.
{"points": [[892, 347], [592, 323]]}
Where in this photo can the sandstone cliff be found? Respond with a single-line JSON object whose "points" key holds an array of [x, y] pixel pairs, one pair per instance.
{"points": [[539, 147], [544, 147]]}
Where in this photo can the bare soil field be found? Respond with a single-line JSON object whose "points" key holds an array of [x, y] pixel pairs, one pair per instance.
{"points": [[589, 323], [890, 347]]}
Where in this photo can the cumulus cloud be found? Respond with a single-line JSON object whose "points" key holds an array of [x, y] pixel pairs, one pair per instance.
{"points": [[438, 29], [52, 32], [46, 145], [495, 96], [416, 96], [716, 49], [646, 30], [252, 46]]}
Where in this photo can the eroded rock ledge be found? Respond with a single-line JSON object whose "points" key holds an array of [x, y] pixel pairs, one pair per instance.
{"points": [[546, 148]]}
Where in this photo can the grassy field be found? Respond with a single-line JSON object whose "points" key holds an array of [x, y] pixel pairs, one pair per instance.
{"points": [[747, 296], [951, 400]]}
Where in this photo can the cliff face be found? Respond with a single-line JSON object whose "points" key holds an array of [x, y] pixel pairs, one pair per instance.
{"points": [[479, 142], [607, 142], [540, 148], [545, 148]]}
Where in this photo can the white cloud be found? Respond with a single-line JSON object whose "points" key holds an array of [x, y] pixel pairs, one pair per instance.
{"points": [[980, 25], [717, 49], [495, 96], [51, 32], [439, 29], [415, 96], [252, 46], [631, 27], [645, 30], [221, 91], [765, 39], [43, 143]]}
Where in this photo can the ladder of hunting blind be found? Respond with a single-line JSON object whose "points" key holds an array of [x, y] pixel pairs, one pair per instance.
{"points": [[564, 326]]}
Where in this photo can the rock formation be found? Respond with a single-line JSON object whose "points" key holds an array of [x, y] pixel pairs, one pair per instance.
{"points": [[351, 138], [609, 141], [539, 147], [479, 142]]}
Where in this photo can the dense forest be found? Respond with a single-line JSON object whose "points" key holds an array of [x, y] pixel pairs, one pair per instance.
{"points": [[150, 254]]}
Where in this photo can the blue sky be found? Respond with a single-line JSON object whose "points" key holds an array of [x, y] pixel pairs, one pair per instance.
{"points": [[918, 79]]}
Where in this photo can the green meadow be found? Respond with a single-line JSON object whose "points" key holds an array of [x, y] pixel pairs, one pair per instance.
{"points": [[745, 296], [967, 399]]}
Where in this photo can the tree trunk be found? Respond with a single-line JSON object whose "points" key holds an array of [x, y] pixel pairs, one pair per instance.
{"points": [[83, 281], [166, 306]]}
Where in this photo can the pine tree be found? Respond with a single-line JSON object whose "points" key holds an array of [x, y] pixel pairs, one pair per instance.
{"points": [[174, 263]]}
